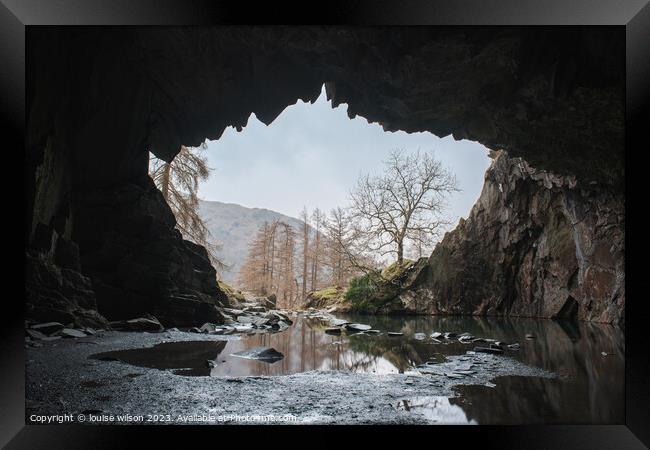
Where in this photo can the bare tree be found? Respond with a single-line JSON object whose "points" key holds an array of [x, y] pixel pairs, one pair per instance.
{"points": [[178, 182], [403, 204], [340, 247]]}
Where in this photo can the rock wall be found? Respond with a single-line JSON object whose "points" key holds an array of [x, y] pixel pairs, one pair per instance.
{"points": [[536, 245], [139, 262]]}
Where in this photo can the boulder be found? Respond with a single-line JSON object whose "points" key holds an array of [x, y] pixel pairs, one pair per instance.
{"points": [[280, 326], [255, 321], [283, 317], [208, 328]]}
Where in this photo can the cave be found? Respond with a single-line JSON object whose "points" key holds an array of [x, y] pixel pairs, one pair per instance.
{"points": [[101, 242]]}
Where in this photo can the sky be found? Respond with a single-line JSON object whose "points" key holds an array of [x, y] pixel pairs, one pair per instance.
{"points": [[312, 155]]}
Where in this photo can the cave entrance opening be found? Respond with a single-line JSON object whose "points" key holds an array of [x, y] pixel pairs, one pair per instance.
{"points": [[310, 157]]}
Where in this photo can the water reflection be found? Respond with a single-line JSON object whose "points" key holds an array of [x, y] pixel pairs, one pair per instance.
{"points": [[589, 389], [306, 347], [530, 400], [435, 409]]}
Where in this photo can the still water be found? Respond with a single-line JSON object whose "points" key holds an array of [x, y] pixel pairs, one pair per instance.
{"points": [[589, 387]]}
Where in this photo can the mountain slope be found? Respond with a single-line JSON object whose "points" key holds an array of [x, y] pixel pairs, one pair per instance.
{"points": [[233, 227]]}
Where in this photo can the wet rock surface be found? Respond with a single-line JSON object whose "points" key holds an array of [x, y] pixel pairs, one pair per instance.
{"points": [[105, 383], [534, 245]]}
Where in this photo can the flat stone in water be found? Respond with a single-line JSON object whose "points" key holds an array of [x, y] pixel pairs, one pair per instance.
{"points": [[338, 322], [358, 326], [266, 354], [395, 333], [420, 336], [72, 333]]}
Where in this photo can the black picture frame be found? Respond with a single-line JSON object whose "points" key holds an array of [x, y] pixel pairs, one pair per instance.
{"points": [[634, 15]]}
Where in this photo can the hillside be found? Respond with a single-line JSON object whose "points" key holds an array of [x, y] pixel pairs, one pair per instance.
{"points": [[233, 226]]}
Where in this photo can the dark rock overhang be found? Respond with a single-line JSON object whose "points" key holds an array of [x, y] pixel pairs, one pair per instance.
{"points": [[552, 95]]}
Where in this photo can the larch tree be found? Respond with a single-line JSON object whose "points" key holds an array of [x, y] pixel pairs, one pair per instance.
{"points": [[286, 274], [178, 182], [304, 217], [254, 274], [270, 264], [316, 251], [403, 204]]}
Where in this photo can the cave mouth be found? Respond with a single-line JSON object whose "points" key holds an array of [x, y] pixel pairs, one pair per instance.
{"points": [[99, 233], [310, 157]]}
